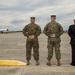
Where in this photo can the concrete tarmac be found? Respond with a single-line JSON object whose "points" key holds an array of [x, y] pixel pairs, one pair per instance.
{"points": [[12, 47]]}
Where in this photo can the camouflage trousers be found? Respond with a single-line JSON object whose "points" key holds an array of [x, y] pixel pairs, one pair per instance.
{"points": [[55, 46], [35, 45]]}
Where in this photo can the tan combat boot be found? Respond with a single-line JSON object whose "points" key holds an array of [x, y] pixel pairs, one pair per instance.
{"points": [[49, 63], [58, 63], [37, 63], [28, 63]]}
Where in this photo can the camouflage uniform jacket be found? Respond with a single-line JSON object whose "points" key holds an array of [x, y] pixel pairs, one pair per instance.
{"points": [[53, 28], [32, 29]]}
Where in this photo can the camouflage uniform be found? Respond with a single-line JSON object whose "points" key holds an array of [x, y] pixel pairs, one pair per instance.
{"points": [[53, 28], [32, 29]]}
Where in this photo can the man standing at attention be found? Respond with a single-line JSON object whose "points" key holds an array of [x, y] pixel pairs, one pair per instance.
{"points": [[71, 33], [32, 31], [53, 30]]}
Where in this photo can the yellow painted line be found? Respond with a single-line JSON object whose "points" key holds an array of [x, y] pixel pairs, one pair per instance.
{"points": [[11, 63]]}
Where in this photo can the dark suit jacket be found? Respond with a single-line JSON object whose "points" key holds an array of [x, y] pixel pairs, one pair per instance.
{"points": [[71, 33]]}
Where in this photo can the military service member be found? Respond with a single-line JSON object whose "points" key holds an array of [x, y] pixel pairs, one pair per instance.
{"points": [[53, 30], [32, 31], [71, 33]]}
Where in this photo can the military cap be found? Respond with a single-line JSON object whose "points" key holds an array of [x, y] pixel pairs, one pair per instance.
{"points": [[32, 17], [53, 15], [73, 19]]}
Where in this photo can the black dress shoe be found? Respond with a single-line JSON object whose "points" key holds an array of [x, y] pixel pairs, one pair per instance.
{"points": [[72, 64]]}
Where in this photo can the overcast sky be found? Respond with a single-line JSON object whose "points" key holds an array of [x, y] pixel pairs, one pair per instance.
{"points": [[15, 14]]}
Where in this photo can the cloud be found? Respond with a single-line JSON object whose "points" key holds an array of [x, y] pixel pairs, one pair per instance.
{"points": [[17, 21], [15, 14]]}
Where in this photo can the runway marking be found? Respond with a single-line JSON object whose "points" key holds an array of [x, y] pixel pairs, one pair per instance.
{"points": [[11, 63]]}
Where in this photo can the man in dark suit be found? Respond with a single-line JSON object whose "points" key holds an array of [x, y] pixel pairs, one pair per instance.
{"points": [[71, 33]]}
